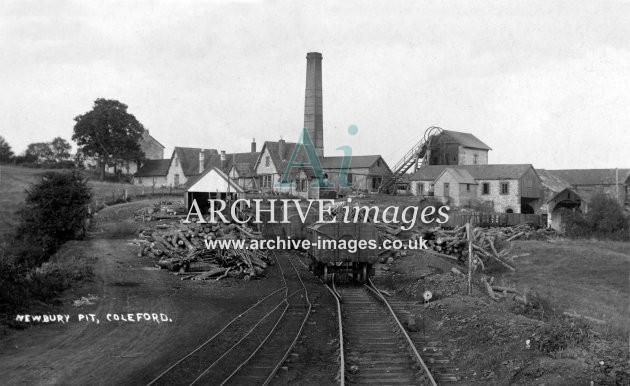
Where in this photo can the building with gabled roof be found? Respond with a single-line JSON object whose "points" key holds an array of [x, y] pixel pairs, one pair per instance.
{"points": [[614, 183], [505, 188], [457, 148]]}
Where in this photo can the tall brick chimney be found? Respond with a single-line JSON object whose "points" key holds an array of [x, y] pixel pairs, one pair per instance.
{"points": [[253, 145], [313, 109], [222, 160], [201, 161]]}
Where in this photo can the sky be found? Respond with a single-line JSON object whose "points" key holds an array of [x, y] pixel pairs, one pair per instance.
{"points": [[546, 83]]}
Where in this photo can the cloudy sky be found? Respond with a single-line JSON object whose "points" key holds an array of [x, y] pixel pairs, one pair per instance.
{"points": [[541, 82]]}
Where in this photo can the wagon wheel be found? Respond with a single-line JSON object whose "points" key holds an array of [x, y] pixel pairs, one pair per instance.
{"points": [[325, 275]]}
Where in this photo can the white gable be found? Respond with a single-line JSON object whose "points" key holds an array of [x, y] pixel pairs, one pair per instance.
{"points": [[215, 181]]}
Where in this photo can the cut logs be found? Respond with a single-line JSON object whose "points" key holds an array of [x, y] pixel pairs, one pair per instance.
{"points": [[186, 248]]}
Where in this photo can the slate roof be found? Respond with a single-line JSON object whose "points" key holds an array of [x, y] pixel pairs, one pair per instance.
{"points": [[592, 176], [189, 159], [461, 176], [478, 172], [356, 162], [154, 168], [466, 140], [552, 181]]}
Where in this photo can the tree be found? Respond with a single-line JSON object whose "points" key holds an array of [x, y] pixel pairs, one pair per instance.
{"points": [[55, 210], [109, 133], [41, 151], [61, 149], [6, 154]]}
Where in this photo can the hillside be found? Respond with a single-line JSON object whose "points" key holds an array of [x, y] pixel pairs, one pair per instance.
{"points": [[14, 180]]}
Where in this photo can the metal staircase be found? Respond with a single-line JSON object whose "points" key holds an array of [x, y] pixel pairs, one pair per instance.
{"points": [[416, 156]]}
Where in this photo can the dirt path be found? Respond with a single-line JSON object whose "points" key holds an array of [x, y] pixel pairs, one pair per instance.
{"points": [[124, 352]]}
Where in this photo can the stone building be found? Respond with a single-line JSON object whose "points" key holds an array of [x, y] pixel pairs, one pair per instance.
{"points": [[499, 188], [614, 183], [457, 148]]}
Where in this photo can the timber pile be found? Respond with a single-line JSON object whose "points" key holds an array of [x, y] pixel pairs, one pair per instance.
{"points": [[182, 248], [490, 245], [161, 210]]}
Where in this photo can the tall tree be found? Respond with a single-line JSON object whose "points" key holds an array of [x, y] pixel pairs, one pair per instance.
{"points": [[109, 133], [41, 151], [6, 154], [61, 149]]}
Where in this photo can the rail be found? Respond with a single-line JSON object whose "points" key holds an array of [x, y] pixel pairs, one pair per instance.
{"points": [[417, 356], [297, 336], [342, 361], [153, 381]]}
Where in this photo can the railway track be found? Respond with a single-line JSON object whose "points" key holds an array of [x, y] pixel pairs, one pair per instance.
{"points": [[251, 348], [375, 348]]}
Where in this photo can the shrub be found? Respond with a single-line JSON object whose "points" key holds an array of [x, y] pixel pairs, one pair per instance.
{"points": [[604, 219], [55, 210]]}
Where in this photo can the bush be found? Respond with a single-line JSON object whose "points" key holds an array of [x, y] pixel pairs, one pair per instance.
{"points": [[604, 219], [55, 210]]}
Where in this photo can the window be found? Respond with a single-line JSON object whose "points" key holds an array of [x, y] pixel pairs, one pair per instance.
{"points": [[349, 178], [468, 187], [266, 181], [378, 163], [420, 187], [505, 188], [475, 159], [376, 182], [301, 184], [176, 161], [176, 182], [267, 161], [485, 188]]}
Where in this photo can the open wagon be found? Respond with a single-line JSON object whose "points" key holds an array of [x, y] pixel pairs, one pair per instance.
{"points": [[327, 258]]}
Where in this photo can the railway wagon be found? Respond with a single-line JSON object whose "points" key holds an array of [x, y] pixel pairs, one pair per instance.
{"points": [[327, 258]]}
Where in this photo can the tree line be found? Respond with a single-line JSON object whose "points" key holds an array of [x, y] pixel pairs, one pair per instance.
{"points": [[107, 134]]}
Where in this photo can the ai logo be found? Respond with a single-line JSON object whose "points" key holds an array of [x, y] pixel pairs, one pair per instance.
{"points": [[314, 163]]}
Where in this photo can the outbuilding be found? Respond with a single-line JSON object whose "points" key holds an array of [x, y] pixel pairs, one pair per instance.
{"points": [[211, 184]]}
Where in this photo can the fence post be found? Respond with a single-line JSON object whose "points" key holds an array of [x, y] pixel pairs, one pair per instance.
{"points": [[470, 252]]}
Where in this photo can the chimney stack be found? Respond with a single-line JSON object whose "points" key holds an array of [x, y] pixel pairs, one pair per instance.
{"points": [[313, 109], [201, 161], [281, 149], [253, 145], [222, 159]]}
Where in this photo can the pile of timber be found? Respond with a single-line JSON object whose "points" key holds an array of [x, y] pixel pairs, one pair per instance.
{"points": [[161, 210], [490, 245], [183, 248]]}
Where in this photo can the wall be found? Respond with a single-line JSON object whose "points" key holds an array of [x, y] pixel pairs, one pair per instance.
{"points": [[415, 189], [501, 201], [156, 182], [467, 156], [152, 148], [175, 168], [530, 185]]}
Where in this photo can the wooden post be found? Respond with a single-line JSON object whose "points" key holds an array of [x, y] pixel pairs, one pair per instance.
{"points": [[470, 252]]}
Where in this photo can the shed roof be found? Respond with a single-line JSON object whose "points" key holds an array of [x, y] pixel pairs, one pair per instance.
{"points": [[213, 180], [551, 181], [466, 139], [478, 172], [592, 176], [154, 168]]}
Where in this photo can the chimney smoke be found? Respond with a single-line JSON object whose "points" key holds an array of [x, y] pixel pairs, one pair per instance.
{"points": [[313, 108]]}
